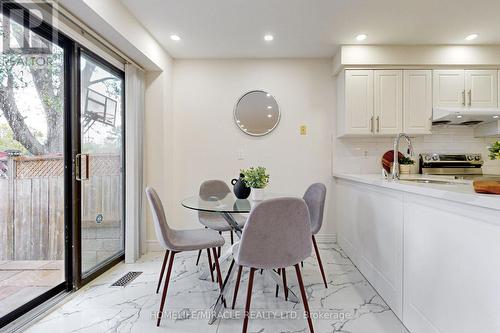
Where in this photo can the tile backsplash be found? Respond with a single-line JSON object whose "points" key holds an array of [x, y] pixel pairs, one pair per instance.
{"points": [[363, 155]]}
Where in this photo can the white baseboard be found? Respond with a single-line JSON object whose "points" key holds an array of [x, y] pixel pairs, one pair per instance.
{"points": [[152, 245], [326, 238]]}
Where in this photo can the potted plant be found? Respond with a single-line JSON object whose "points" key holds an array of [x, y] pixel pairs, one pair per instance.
{"points": [[256, 178], [405, 165], [494, 150]]}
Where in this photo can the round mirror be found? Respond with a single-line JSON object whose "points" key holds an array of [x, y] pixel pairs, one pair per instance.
{"points": [[257, 113]]}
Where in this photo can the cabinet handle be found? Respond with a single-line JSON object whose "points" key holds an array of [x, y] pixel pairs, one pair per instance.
{"points": [[469, 93], [371, 124], [463, 97], [378, 124]]}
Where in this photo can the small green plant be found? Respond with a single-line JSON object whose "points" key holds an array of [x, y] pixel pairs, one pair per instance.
{"points": [[406, 161], [255, 177], [494, 150]]}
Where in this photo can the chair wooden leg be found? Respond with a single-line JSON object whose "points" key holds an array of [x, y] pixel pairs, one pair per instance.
{"points": [[198, 259], [165, 287], [232, 240], [249, 298], [219, 276], [236, 286], [219, 248], [277, 285], [165, 258], [319, 261], [210, 265], [285, 288], [304, 298]]}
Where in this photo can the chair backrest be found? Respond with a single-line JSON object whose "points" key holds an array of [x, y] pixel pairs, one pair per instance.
{"points": [[276, 234], [163, 231], [212, 189], [315, 200]]}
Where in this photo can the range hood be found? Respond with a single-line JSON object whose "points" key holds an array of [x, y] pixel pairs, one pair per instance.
{"points": [[464, 117]]}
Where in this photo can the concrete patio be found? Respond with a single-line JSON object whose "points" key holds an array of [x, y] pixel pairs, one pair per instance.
{"points": [[23, 280]]}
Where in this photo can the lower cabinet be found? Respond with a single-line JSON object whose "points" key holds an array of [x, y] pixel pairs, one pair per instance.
{"points": [[451, 267], [371, 234], [435, 262]]}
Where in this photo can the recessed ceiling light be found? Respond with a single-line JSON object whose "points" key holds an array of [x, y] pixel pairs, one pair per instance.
{"points": [[459, 117], [268, 95], [495, 117], [269, 107], [269, 116], [268, 37], [361, 37], [471, 37], [175, 38]]}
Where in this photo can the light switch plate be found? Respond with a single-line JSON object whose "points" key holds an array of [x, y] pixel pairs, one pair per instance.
{"points": [[303, 130]]}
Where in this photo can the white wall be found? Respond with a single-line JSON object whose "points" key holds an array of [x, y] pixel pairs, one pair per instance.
{"points": [[207, 141]]}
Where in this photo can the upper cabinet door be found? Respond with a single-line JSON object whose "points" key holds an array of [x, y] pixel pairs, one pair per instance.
{"points": [[481, 87], [388, 102], [449, 88], [358, 101], [417, 101]]}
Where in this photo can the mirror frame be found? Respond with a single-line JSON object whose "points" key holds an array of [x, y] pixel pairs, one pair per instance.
{"points": [[236, 107]]}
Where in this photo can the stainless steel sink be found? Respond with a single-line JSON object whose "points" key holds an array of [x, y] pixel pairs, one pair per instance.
{"points": [[432, 181]]}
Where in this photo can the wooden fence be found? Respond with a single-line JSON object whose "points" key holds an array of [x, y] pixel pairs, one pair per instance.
{"points": [[32, 204]]}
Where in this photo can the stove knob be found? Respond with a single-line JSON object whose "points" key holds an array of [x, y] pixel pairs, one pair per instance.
{"points": [[435, 157], [427, 158], [470, 158], [477, 158]]}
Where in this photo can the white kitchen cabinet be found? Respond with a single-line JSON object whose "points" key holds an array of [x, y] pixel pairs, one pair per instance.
{"points": [[448, 88], [465, 88], [369, 102], [417, 102], [371, 233], [388, 102], [355, 102], [451, 271], [481, 88]]}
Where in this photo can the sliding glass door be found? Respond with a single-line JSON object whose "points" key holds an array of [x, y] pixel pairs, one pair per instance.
{"points": [[33, 163], [61, 163], [101, 162]]}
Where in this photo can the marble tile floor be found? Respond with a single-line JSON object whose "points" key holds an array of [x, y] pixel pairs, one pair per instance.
{"points": [[23, 280], [349, 305]]}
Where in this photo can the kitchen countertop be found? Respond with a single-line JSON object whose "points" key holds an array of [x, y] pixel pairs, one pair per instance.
{"points": [[460, 191]]}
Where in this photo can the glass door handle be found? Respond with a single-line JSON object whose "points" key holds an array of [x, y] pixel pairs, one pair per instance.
{"points": [[78, 167]]}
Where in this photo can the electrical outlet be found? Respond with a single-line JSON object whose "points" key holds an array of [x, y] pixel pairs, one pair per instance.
{"points": [[303, 130]]}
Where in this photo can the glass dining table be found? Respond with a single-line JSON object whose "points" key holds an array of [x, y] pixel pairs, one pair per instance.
{"points": [[226, 205]]}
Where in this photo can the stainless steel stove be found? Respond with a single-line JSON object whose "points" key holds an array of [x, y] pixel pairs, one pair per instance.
{"points": [[462, 166]]}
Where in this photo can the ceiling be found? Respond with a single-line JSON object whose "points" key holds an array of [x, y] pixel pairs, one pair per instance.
{"points": [[310, 28]]}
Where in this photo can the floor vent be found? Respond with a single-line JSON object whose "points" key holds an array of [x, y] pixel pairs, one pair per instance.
{"points": [[126, 279]]}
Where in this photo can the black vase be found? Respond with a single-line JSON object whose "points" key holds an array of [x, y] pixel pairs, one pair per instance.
{"points": [[240, 189]]}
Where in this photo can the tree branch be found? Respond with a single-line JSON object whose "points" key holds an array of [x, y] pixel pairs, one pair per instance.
{"points": [[22, 133]]}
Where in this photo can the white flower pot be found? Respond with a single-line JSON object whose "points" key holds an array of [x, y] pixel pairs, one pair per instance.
{"points": [[405, 168], [257, 194]]}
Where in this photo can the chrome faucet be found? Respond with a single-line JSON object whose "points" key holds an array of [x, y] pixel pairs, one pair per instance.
{"points": [[395, 167]]}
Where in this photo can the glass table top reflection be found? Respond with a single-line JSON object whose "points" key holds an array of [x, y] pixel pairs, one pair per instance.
{"points": [[225, 203]]}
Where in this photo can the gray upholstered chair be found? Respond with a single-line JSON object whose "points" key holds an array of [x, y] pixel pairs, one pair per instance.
{"points": [[276, 235], [175, 241], [315, 199], [210, 189]]}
